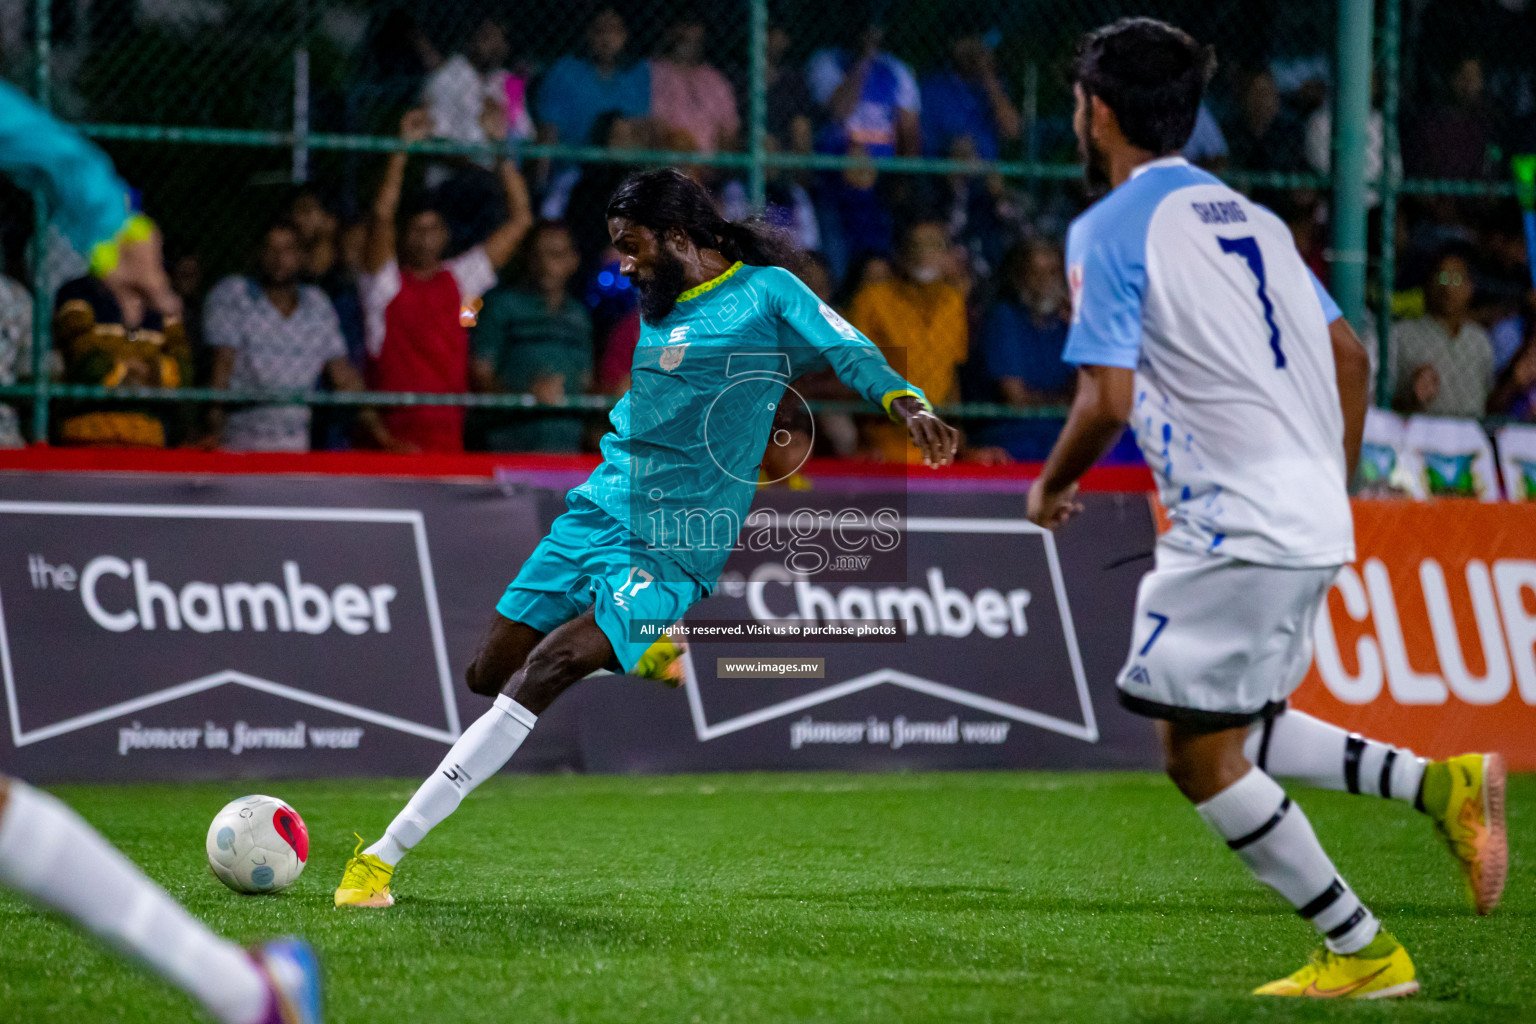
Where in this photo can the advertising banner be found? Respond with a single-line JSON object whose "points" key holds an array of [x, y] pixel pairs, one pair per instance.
{"points": [[1430, 637], [1451, 458], [1517, 459], [170, 627], [1007, 641], [184, 627]]}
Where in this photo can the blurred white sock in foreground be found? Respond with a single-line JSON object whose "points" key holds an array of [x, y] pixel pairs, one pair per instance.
{"points": [[49, 853]]}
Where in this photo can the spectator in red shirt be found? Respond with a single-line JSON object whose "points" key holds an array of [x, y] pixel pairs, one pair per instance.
{"points": [[418, 306]]}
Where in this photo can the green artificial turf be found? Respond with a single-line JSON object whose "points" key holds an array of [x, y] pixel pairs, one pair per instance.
{"points": [[941, 897]]}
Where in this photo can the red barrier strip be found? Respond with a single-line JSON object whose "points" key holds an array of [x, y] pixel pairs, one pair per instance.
{"points": [[476, 464]]}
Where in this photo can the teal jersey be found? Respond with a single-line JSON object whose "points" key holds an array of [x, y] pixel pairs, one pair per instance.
{"points": [[681, 465]]}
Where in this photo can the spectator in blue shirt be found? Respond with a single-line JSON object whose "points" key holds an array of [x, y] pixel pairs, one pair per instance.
{"points": [[854, 217], [1021, 346], [967, 100], [576, 92], [871, 99]]}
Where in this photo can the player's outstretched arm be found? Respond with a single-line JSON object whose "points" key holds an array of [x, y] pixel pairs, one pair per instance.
{"points": [[1099, 413], [860, 364], [1353, 366]]}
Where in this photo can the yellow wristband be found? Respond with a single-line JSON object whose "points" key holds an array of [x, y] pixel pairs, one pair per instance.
{"points": [[890, 396], [105, 256]]}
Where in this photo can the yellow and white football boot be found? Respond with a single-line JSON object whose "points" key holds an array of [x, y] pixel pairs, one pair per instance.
{"points": [[1465, 797], [1381, 970], [365, 883], [663, 662]]}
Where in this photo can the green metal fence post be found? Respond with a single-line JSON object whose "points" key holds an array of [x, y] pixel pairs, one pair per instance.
{"points": [[300, 173], [1351, 114], [758, 127], [1391, 182], [42, 83], [42, 302], [42, 314]]}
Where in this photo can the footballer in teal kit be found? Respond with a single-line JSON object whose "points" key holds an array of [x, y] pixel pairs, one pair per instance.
{"points": [[725, 328]]}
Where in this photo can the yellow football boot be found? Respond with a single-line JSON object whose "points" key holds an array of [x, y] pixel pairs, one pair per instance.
{"points": [[663, 662], [1379, 971], [1465, 797], [365, 882]]}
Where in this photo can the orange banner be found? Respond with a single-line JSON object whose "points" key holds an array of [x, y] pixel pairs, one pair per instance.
{"points": [[1430, 637]]}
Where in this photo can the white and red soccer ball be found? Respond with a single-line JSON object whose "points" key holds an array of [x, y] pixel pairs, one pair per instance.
{"points": [[257, 844]]}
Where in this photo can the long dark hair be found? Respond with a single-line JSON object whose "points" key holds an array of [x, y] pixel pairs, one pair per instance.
{"points": [[667, 199]]}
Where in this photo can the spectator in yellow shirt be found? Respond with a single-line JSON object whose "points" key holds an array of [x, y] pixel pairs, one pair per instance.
{"points": [[918, 319]]}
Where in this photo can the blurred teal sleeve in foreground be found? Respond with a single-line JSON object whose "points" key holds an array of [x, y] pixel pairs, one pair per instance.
{"points": [[86, 198]]}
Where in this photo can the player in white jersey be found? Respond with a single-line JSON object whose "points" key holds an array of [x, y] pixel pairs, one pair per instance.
{"points": [[1195, 319]]}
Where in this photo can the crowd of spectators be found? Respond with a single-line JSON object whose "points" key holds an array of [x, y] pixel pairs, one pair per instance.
{"points": [[480, 273]]}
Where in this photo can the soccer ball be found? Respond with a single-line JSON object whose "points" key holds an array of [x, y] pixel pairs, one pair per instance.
{"points": [[257, 844]]}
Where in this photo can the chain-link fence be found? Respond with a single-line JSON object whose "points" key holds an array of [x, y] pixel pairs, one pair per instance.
{"points": [[224, 114], [1458, 102]]}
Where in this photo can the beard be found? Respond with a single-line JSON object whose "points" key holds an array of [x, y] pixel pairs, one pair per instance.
{"points": [[658, 296], [1095, 166]]}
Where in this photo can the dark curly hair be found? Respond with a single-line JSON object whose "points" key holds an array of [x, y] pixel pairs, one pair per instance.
{"points": [[666, 200]]}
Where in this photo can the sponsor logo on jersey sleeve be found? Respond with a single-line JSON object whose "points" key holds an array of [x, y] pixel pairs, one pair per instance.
{"points": [[841, 326]]}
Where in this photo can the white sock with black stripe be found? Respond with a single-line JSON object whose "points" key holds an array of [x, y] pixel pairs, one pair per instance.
{"points": [[1273, 837], [1294, 745], [488, 743]]}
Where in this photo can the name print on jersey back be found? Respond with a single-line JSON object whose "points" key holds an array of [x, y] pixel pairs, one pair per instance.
{"points": [[1203, 294], [1220, 213]]}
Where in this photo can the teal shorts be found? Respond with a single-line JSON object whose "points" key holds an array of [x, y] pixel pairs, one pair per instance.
{"points": [[591, 560]]}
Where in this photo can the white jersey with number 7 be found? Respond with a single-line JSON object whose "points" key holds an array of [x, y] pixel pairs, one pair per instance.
{"points": [[1203, 294]]}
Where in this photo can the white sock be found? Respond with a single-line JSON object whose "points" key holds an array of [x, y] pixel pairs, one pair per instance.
{"points": [[1294, 745], [49, 853], [488, 743], [1275, 840]]}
